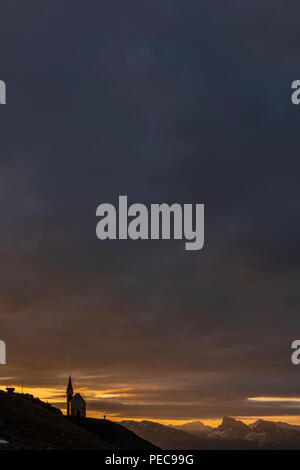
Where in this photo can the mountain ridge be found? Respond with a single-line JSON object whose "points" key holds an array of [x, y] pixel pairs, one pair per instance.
{"points": [[231, 434]]}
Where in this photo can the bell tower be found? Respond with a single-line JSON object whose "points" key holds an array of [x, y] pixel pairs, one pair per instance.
{"points": [[69, 396]]}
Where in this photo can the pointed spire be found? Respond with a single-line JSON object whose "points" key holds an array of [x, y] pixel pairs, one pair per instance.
{"points": [[69, 396], [70, 388]]}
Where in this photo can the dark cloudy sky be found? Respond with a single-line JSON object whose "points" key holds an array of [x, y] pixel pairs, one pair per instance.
{"points": [[165, 101]]}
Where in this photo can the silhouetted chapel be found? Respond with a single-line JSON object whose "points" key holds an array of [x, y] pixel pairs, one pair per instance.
{"points": [[76, 405]]}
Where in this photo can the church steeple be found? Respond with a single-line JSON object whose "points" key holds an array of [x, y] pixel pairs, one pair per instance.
{"points": [[70, 388], [69, 396]]}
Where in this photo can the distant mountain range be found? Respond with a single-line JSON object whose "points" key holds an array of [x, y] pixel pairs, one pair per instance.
{"points": [[165, 437], [231, 434], [194, 427]]}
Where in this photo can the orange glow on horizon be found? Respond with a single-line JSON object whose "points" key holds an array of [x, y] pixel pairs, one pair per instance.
{"points": [[280, 399], [56, 396]]}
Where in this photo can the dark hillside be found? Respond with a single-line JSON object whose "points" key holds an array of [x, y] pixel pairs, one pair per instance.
{"points": [[28, 423], [114, 434]]}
